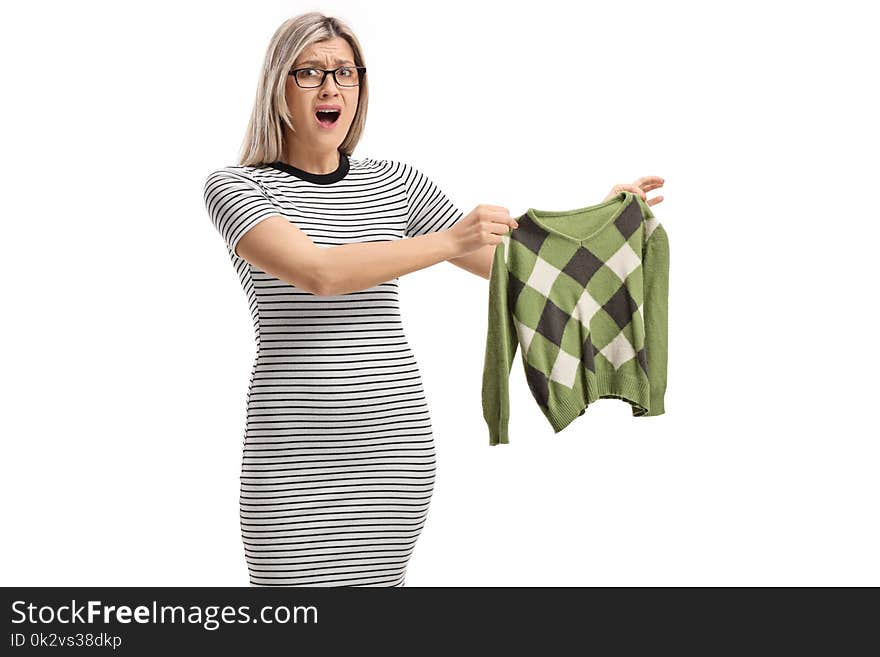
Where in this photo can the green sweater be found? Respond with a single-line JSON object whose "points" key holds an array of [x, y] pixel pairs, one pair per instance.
{"points": [[585, 294]]}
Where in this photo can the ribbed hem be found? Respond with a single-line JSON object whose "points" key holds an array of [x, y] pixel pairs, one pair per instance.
{"points": [[564, 410]]}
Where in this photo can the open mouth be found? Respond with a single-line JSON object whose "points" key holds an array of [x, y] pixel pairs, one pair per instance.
{"points": [[327, 117]]}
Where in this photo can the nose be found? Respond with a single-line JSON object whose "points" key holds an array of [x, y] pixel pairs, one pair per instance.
{"points": [[329, 83]]}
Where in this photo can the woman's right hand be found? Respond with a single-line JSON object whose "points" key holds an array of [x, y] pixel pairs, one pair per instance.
{"points": [[483, 225]]}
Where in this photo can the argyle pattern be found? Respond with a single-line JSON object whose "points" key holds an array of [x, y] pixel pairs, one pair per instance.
{"points": [[589, 315]]}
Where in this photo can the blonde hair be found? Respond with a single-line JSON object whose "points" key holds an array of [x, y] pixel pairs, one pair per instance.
{"points": [[264, 140]]}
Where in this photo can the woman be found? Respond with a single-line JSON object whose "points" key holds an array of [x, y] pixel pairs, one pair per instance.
{"points": [[338, 462]]}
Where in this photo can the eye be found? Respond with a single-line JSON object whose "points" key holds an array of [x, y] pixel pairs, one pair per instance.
{"points": [[304, 73], [345, 72]]}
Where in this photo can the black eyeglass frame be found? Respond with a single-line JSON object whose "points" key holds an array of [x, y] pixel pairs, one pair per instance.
{"points": [[362, 70]]}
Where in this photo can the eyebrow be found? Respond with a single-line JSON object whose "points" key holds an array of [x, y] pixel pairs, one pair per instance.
{"points": [[338, 61]]}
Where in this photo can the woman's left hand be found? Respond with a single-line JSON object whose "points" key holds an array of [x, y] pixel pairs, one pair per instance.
{"points": [[641, 186]]}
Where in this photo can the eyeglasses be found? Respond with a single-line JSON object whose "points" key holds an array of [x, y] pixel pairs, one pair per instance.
{"points": [[345, 76]]}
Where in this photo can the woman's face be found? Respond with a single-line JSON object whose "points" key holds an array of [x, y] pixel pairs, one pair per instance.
{"points": [[304, 103]]}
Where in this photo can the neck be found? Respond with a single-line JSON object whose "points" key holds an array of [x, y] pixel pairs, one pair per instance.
{"points": [[313, 159]]}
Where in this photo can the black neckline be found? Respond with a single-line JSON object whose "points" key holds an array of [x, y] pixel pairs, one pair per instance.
{"points": [[317, 178]]}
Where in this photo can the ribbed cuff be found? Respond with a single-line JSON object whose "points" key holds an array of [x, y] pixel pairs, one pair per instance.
{"points": [[498, 432]]}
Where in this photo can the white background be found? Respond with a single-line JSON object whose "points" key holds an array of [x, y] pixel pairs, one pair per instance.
{"points": [[127, 343]]}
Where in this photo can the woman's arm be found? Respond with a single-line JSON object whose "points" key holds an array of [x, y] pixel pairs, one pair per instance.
{"points": [[477, 262], [352, 267], [494, 221], [284, 251]]}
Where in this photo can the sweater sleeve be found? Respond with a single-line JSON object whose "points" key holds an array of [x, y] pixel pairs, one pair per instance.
{"points": [[656, 278], [501, 346]]}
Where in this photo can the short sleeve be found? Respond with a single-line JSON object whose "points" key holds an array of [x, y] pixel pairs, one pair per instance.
{"points": [[428, 209], [235, 204]]}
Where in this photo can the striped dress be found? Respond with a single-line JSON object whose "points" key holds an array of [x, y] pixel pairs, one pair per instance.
{"points": [[338, 456]]}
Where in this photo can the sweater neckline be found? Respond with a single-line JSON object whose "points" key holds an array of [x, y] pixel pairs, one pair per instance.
{"points": [[624, 198], [317, 178]]}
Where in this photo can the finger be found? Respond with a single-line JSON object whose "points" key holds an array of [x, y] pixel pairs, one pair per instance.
{"points": [[502, 215], [634, 189], [499, 229], [504, 224], [649, 186], [655, 200], [655, 181]]}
